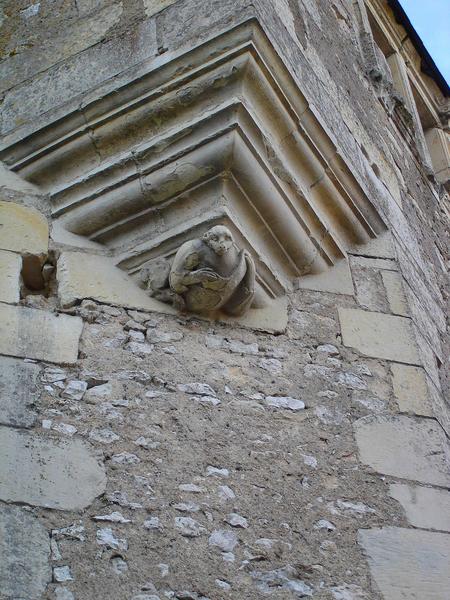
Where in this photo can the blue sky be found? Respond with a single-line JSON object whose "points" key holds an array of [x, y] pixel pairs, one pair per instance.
{"points": [[431, 20]]}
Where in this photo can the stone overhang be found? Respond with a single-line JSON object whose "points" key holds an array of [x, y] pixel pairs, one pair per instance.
{"points": [[219, 133]]}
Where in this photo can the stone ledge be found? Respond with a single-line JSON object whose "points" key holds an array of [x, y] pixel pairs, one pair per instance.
{"points": [[31, 333], [81, 275]]}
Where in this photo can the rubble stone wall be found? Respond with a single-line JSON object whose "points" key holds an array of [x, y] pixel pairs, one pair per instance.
{"points": [[148, 455]]}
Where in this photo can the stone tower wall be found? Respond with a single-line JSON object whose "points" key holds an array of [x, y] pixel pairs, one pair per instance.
{"points": [[149, 454]]}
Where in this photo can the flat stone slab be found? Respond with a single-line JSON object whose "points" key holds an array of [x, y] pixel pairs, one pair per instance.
{"points": [[393, 285], [10, 267], [24, 229], [424, 507], [336, 280], [43, 470], [81, 275], [32, 333], [404, 447], [25, 550], [379, 335], [411, 389], [18, 392], [408, 564]]}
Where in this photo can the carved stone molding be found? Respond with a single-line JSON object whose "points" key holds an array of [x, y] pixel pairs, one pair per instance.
{"points": [[217, 134]]}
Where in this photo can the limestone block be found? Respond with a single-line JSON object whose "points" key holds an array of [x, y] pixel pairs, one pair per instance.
{"points": [[336, 280], [82, 275], [41, 470], [272, 318], [376, 263], [152, 7], [411, 390], [32, 333], [379, 335], [18, 392], [394, 290], [404, 447], [23, 229], [10, 267], [408, 564], [424, 507], [379, 247], [25, 550], [12, 181]]}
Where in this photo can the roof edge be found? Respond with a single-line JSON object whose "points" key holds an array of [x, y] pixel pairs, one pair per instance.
{"points": [[428, 65]]}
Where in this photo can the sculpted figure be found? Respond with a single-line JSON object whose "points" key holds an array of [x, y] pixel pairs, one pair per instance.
{"points": [[211, 273]]}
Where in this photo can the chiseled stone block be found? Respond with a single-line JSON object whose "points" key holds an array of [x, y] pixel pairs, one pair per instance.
{"points": [[24, 229], [396, 296], [43, 470], [152, 7], [411, 389], [32, 333], [408, 564], [336, 280], [81, 275], [18, 391], [25, 549], [425, 507], [378, 335], [404, 447], [10, 267]]}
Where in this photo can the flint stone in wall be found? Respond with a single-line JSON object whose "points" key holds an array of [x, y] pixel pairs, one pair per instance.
{"points": [[407, 563], [424, 507], [378, 335], [18, 392], [10, 267], [404, 447], [25, 549], [32, 333], [24, 230], [48, 471]]}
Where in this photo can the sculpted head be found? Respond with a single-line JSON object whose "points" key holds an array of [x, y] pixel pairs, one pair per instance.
{"points": [[219, 239]]}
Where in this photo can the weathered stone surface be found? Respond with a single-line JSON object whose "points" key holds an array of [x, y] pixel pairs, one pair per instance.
{"points": [[379, 247], [32, 333], [222, 276], [25, 550], [395, 294], [82, 275], [424, 507], [43, 470], [404, 447], [408, 564], [24, 229], [18, 392], [272, 318], [378, 335], [10, 266], [154, 6], [411, 390], [336, 280]]}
